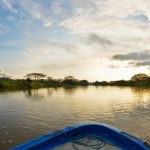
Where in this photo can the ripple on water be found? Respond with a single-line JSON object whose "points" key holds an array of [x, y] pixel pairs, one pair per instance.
{"points": [[24, 116]]}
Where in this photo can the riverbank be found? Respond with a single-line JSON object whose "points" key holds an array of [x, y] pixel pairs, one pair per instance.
{"points": [[130, 83], [9, 84], [40, 80], [25, 84]]}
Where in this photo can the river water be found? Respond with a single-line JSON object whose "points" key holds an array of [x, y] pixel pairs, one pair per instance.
{"points": [[28, 114]]}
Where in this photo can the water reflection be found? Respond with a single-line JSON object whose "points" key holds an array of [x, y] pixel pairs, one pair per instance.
{"points": [[72, 90], [142, 96], [34, 95], [50, 91], [27, 114]]}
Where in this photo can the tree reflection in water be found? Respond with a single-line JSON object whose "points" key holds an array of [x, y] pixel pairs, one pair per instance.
{"points": [[142, 96], [34, 95]]}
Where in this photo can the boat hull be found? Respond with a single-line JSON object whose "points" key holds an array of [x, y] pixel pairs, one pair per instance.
{"points": [[109, 134]]}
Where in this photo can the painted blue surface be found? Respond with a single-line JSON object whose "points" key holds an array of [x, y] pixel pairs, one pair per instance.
{"points": [[107, 133]]}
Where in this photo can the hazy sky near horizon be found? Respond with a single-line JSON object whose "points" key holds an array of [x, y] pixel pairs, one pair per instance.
{"points": [[89, 39]]}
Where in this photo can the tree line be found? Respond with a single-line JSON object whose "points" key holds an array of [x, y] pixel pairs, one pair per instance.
{"points": [[41, 80], [140, 79]]}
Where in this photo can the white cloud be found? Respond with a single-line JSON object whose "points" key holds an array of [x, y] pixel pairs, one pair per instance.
{"points": [[36, 11], [47, 24], [105, 10], [49, 51], [103, 28], [8, 5], [124, 23], [56, 7], [30, 10], [109, 18]]}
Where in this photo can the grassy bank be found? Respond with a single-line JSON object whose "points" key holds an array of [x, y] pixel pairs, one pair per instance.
{"points": [[10, 84], [130, 83], [139, 80], [25, 84]]}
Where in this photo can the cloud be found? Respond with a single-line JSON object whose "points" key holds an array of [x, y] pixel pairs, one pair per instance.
{"points": [[86, 16], [7, 4], [140, 63], [135, 59], [58, 66], [139, 18], [100, 15], [56, 55], [56, 7], [144, 63], [113, 25], [29, 10], [133, 56], [95, 39], [70, 48], [99, 45], [79, 32], [36, 11], [50, 50]]}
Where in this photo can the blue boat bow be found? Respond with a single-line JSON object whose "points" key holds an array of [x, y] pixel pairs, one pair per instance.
{"points": [[105, 132]]}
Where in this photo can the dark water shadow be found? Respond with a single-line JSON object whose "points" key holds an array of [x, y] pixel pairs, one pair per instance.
{"points": [[34, 95]]}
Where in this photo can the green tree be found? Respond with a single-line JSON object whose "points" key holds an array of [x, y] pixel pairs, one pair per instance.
{"points": [[139, 77], [49, 78], [36, 76], [4, 76], [83, 83], [70, 80]]}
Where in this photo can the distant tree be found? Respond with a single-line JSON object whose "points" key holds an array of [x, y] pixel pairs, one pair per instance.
{"points": [[35, 76], [69, 78], [3, 76], [104, 83], [41, 76], [49, 78], [96, 83], [58, 80], [139, 77], [28, 79], [83, 82]]}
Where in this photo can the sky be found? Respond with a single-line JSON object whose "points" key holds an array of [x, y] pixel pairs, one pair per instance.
{"points": [[88, 39]]}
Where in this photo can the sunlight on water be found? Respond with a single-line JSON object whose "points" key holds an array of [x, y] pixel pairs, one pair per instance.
{"points": [[28, 114]]}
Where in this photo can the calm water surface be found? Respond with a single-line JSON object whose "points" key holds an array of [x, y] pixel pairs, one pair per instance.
{"points": [[28, 114]]}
